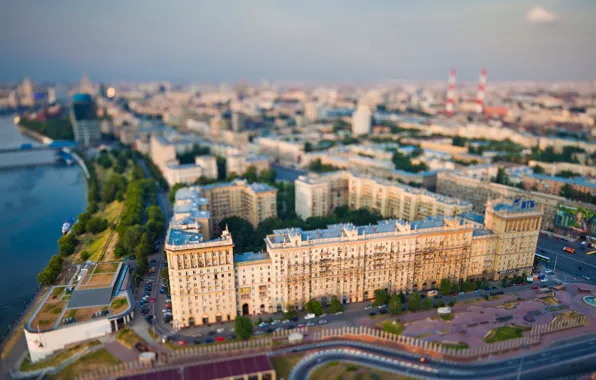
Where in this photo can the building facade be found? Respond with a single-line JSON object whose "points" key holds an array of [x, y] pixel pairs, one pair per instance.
{"points": [[318, 195], [478, 192], [346, 261], [361, 121], [83, 117]]}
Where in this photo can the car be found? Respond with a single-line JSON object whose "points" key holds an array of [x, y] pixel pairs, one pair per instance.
{"points": [[168, 318], [220, 330], [295, 319], [279, 329], [301, 325], [534, 287], [339, 313], [381, 307], [211, 332], [259, 332], [263, 324], [492, 294], [292, 327], [276, 322], [453, 294], [269, 330], [285, 321], [423, 360], [166, 310], [368, 307], [220, 339], [586, 277], [149, 317], [209, 340], [162, 291], [145, 311], [384, 311], [152, 300], [544, 286], [501, 292], [197, 335], [548, 271], [182, 343], [323, 322], [310, 316], [153, 261], [372, 313], [197, 341], [323, 315], [461, 293], [311, 324], [232, 336], [422, 296], [478, 290]]}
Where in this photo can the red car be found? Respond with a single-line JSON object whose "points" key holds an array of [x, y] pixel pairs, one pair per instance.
{"points": [[220, 339], [182, 343], [534, 287], [152, 300]]}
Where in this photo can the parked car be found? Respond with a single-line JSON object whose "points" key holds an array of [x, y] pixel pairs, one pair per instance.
{"points": [[534, 287], [285, 321], [220, 339], [311, 324], [586, 277], [276, 322], [384, 311], [323, 322], [301, 325], [145, 311], [181, 342], [259, 332], [372, 313], [382, 306], [263, 324], [339, 313], [368, 307], [209, 340], [309, 316]]}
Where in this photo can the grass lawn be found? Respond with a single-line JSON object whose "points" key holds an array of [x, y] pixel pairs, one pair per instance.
{"points": [[95, 243], [389, 326], [284, 364], [153, 334], [128, 338], [458, 346], [349, 371], [118, 305], [508, 305], [505, 333], [87, 364], [105, 268], [551, 300], [58, 358], [566, 316], [56, 292], [446, 317]]}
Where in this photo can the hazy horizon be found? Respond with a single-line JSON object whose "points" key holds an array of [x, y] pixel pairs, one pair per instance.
{"points": [[335, 41]]}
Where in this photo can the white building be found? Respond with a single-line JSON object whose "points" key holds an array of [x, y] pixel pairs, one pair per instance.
{"points": [[361, 121]]}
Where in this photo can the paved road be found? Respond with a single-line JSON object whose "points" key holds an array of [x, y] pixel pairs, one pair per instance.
{"points": [[569, 263], [574, 358]]}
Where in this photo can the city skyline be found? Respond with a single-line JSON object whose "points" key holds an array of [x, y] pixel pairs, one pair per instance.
{"points": [[346, 41]]}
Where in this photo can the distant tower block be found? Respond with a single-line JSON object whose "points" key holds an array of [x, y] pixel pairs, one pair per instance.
{"points": [[480, 96], [450, 93]]}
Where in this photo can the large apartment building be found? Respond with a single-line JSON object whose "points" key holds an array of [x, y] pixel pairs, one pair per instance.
{"points": [[209, 205], [210, 284], [318, 195], [478, 192]]}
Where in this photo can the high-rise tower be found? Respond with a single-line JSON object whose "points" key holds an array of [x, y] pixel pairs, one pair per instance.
{"points": [[480, 96], [450, 93]]}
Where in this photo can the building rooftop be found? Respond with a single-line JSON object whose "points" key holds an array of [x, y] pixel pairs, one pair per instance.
{"points": [[260, 187], [181, 237], [517, 206], [578, 181], [476, 218], [250, 256]]}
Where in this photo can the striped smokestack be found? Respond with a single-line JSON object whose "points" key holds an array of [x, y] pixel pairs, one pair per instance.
{"points": [[450, 93], [480, 96]]}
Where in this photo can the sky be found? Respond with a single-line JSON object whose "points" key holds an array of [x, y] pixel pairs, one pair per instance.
{"points": [[307, 40]]}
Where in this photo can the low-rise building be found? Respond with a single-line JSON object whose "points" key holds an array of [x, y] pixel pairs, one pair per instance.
{"points": [[97, 302]]}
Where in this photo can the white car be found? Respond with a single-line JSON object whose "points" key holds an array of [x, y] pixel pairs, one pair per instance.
{"points": [[310, 316], [285, 321], [276, 322], [322, 315], [382, 306], [368, 307], [339, 313]]}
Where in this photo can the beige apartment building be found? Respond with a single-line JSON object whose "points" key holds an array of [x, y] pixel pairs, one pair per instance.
{"points": [[318, 195], [478, 192], [209, 284]]}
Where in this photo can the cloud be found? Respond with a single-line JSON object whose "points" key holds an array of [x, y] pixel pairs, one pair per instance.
{"points": [[539, 15]]}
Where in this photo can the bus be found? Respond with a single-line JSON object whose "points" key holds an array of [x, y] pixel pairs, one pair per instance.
{"points": [[591, 253], [569, 249], [542, 258]]}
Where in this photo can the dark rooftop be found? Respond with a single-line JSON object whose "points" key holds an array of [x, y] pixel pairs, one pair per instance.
{"points": [[210, 371], [90, 297]]}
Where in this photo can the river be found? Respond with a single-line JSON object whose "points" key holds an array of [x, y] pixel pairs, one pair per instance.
{"points": [[34, 202]]}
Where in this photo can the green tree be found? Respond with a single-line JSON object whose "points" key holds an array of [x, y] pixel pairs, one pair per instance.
{"points": [[307, 147], [501, 177], [445, 287], [173, 190], [478, 284], [242, 233], [414, 303], [84, 255], [381, 297], [67, 244], [402, 297], [394, 305], [291, 312], [336, 306], [538, 169], [427, 304], [314, 306], [469, 286], [83, 219], [96, 225], [455, 288], [243, 327]]}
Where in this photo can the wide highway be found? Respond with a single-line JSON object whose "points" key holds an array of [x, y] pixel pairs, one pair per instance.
{"points": [[573, 358], [567, 262]]}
